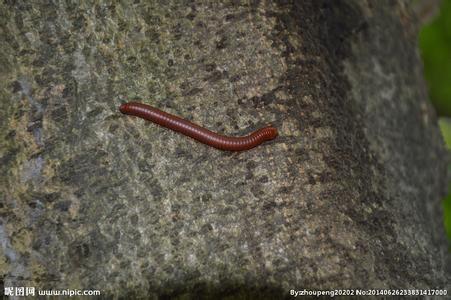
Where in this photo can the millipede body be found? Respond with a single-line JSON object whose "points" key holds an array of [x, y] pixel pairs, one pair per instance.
{"points": [[197, 132]]}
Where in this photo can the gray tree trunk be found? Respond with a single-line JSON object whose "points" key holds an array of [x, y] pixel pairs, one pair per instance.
{"points": [[348, 196]]}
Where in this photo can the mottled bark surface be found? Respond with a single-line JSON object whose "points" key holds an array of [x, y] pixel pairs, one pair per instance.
{"points": [[347, 197]]}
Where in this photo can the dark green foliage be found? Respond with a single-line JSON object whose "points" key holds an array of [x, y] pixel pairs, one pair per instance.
{"points": [[435, 45]]}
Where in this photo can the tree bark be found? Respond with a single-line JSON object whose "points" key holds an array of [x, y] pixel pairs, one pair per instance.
{"points": [[348, 196]]}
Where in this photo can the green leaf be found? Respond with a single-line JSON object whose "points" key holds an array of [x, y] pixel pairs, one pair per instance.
{"points": [[435, 46]]}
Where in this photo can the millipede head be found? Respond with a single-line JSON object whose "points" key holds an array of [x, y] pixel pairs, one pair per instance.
{"points": [[123, 108]]}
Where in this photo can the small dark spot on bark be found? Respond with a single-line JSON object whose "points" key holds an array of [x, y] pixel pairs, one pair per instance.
{"points": [[131, 59], [216, 76], [33, 204], [263, 179], [285, 189], [49, 197], [122, 25], [156, 189], [184, 85], [198, 43], [251, 165], [201, 24], [34, 125], [256, 191], [222, 43], [93, 113], [63, 205], [177, 31], [181, 152], [193, 92], [153, 36], [210, 67], [16, 86], [69, 90], [325, 177], [311, 179], [301, 154], [113, 128], [191, 16], [134, 220], [241, 34], [144, 166], [11, 134], [206, 228], [269, 205], [265, 99], [229, 17], [79, 23], [206, 197], [82, 250], [26, 52], [59, 114], [170, 62], [235, 78]]}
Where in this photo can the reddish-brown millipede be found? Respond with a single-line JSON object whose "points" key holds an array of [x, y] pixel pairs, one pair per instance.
{"points": [[197, 132]]}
